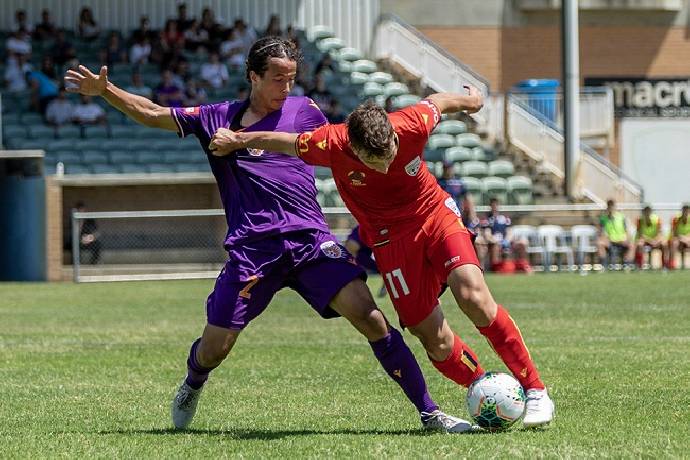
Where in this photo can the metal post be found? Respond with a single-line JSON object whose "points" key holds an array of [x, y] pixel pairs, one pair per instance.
{"points": [[75, 246], [571, 86]]}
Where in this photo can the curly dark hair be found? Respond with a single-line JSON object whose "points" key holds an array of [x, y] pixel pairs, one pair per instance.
{"points": [[370, 130], [269, 47]]}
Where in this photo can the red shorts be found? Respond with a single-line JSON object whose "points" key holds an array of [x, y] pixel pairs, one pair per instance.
{"points": [[416, 266]]}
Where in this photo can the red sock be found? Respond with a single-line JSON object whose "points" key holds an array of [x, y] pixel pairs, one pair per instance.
{"points": [[461, 366], [505, 338]]}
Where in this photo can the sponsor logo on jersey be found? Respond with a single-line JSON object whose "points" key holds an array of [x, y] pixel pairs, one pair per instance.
{"points": [[453, 206], [322, 144], [451, 261], [412, 168], [357, 178], [192, 110], [434, 111], [331, 249], [255, 152], [303, 144], [398, 373]]}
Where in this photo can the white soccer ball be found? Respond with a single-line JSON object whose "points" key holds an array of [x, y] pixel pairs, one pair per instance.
{"points": [[495, 401]]}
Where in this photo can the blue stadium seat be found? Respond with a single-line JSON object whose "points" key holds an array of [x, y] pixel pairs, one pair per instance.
{"points": [[160, 168], [405, 100], [451, 127], [349, 54], [122, 131], [495, 187], [31, 118], [63, 144], [474, 187], [95, 156], [148, 157], [76, 168], [69, 132], [381, 78], [520, 189], [322, 172], [30, 144], [501, 168], [364, 66], [111, 144], [41, 132], [96, 132], [470, 140], [68, 157], [133, 168], [177, 157], [372, 89], [14, 132], [136, 145], [434, 155], [476, 169], [86, 144], [104, 168], [10, 118], [458, 154], [440, 141], [122, 156], [187, 168], [395, 88]]}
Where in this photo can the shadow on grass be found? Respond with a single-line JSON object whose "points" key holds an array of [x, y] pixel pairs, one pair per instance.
{"points": [[244, 434]]}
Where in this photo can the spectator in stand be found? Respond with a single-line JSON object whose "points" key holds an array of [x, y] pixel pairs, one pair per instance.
{"points": [[194, 95], [44, 85], [496, 232], [87, 28], [21, 22], [273, 27], [450, 183], [88, 112], [60, 111], [45, 30], [114, 52], [196, 39], [325, 64], [15, 73], [388, 105], [214, 73], [209, 24], [680, 235], [245, 34], [19, 43], [613, 233], [138, 87], [320, 94], [89, 236], [335, 113], [232, 50], [291, 35], [63, 51], [171, 37], [144, 30], [648, 235], [472, 222], [183, 22], [167, 93], [140, 51]]}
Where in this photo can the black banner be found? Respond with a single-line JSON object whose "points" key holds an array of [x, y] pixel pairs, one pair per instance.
{"points": [[647, 97]]}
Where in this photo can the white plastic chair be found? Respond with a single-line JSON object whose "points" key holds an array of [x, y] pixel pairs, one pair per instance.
{"points": [[553, 238], [529, 234], [585, 241]]}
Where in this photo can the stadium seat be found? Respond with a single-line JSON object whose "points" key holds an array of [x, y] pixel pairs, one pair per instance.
{"points": [[476, 169], [41, 132], [94, 156], [14, 132], [31, 118], [121, 131], [520, 190], [382, 78], [68, 157], [495, 187], [501, 168], [372, 89], [136, 145], [395, 88], [104, 168], [458, 154], [320, 32], [345, 67], [187, 168], [453, 127], [120, 69], [11, 118], [330, 44], [479, 154], [122, 156], [96, 132], [358, 78], [364, 66], [176, 157], [29, 144], [76, 168], [160, 168], [64, 144], [474, 187], [321, 172], [435, 168], [405, 100], [133, 168], [553, 239], [584, 240], [349, 54], [440, 141], [148, 157], [107, 144], [434, 155], [69, 132], [470, 140]]}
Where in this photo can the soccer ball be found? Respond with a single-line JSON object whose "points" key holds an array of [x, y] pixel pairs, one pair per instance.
{"points": [[495, 401]]}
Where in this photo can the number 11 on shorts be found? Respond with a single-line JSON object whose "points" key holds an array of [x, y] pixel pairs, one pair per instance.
{"points": [[397, 273]]}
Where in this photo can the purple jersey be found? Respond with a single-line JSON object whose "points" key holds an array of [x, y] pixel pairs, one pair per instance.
{"points": [[263, 193]]}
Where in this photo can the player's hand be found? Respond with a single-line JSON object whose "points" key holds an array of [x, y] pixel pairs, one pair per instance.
{"points": [[85, 82], [476, 97], [224, 142]]}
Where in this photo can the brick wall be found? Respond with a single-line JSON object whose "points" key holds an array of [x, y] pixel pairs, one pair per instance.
{"points": [[53, 230]]}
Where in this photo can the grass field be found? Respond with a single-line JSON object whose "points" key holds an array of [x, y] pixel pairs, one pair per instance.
{"points": [[89, 370]]}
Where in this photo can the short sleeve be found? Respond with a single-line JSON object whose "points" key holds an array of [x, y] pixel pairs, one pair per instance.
{"points": [[188, 120], [309, 117], [420, 118], [316, 147]]}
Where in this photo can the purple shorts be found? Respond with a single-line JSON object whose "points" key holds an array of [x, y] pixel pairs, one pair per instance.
{"points": [[309, 261]]}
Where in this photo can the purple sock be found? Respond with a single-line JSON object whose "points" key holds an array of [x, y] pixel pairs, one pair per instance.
{"points": [[401, 365], [196, 373]]}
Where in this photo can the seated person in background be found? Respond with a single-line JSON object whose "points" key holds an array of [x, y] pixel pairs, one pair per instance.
{"points": [[138, 87], [88, 236], [498, 239], [214, 73], [335, 113], [88, 112], [325, 64], [450, 183], [472, 222], [193, 94], [63, 51], [649, 235], [43, 84], [87, 27], [15, 73], [45, 30], [114, 52], [167, 93], [60, 110], [140, 51], [363, 255], [320, 93], [680, 235], [613, 232], [232, 50]]}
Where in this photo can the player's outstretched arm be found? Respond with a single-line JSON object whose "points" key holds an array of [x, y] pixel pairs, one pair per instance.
{"points": [[471, 102], [135, 107], [226, 141]]}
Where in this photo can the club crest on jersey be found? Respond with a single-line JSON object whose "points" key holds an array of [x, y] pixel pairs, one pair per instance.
{"points": [[357, 178], [453, 206], [255, 152], [412, 168], [303, 144], [192, 110], [331, 249]]}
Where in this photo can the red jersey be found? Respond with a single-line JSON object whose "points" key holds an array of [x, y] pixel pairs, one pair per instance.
{"points": [[387, 206]]}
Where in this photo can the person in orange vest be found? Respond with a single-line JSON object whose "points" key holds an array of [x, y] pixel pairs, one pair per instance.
{"points": [[649, 236]]}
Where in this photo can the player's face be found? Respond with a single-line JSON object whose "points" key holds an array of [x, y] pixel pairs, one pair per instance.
{"points": [[277, 82], [377, 163]]}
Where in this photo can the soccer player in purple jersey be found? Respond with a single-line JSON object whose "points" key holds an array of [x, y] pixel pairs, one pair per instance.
{"points": [[277, 236]]}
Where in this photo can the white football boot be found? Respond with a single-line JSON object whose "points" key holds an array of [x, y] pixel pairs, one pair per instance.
{"points": [[439, 421], [539, 410], [184, 405]]}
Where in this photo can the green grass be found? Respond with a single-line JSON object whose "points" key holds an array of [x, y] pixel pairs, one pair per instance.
{"points": [[89, 370]]}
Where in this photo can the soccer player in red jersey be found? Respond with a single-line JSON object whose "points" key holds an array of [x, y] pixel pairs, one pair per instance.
{"points": [[414, 228]]}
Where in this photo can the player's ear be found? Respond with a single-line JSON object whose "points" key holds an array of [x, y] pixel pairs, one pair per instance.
{"points": [[253, 76]]}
